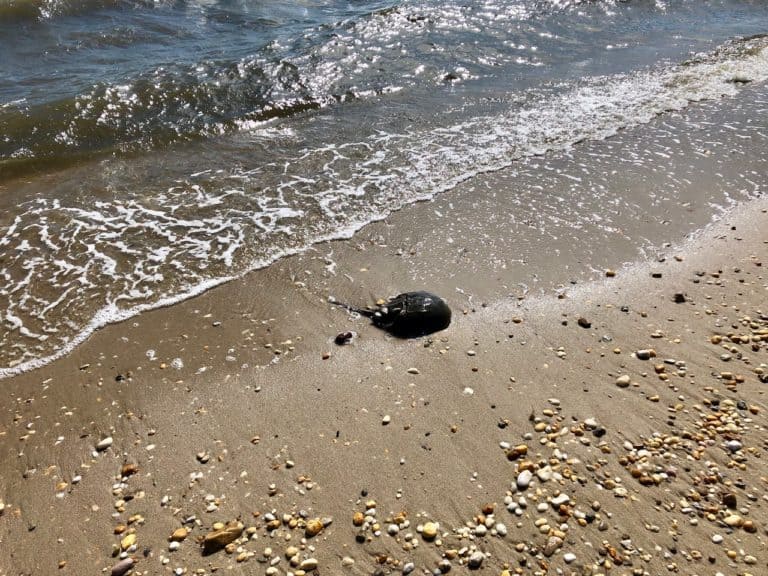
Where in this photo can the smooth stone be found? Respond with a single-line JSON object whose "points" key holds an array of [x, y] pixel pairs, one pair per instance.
{"points": [[429, 531], [569, 557], [524, 479], [313, 527], [476, 560], [544, 474], [623, 381], [501, 529], [553, 544], [717, 539], [408, 567], [560, 500], [122, 567], [104, 444], [481, 530], [308, 564], [734, 445]]}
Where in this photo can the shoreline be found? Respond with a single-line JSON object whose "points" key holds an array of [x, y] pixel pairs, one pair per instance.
{"points": [[438, 430]]}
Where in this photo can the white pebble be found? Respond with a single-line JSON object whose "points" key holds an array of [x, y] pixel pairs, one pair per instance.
{"points": [[104, 444], [524, 479]]}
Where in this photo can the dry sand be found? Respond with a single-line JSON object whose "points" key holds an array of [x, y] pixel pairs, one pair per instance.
{"points": [[530, 437]]}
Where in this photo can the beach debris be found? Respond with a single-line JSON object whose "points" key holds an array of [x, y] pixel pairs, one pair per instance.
{"points": [[583, 322], [679, 298]]}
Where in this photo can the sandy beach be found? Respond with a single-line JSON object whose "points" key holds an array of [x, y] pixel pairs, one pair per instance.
{"points": [[188, 188], [611, 423]]}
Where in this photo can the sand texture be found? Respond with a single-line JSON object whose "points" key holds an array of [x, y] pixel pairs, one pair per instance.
{"points": [[615, 425]]}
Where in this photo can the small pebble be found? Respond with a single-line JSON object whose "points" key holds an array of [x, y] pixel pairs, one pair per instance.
{"points": [[524, 479], [623, 381], [104, 444], [476, 560]]}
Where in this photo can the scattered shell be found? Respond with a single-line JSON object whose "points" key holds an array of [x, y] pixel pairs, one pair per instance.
{"points": [[218, 539]]}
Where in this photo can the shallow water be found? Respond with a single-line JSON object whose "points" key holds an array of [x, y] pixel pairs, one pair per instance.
{"points": [[149, 151]]}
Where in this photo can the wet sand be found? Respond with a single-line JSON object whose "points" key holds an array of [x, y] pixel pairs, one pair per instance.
{"points": [[531, 436]]}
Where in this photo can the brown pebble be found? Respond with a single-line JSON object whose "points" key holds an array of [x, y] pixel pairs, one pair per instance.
{"points": [[179, 535], [122, 567], [218, 539], [314, 527]]}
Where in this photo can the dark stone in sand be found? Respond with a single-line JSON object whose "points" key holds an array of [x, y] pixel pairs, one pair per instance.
{"points": [[343, 338], [679, 298], [584, 323], [409, 315]]}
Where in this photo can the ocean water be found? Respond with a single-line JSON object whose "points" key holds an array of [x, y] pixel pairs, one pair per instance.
{"points": [[152, 150]]}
